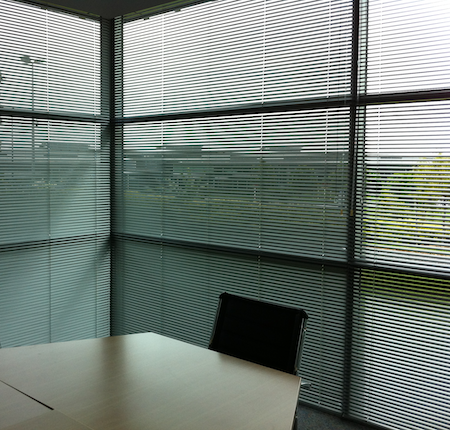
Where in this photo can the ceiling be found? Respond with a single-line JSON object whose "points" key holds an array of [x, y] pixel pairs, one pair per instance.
{"points": [[106, 8]]}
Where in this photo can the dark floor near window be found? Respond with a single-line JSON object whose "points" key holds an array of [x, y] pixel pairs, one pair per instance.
{"points": [[314, 419]]}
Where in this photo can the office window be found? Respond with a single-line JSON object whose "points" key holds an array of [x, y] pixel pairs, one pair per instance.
{"points": [[50, 60], [236, 53], [234, 170], [401, 302], [296, 151], [290, 150], [407, 45], [54, 178], [270, 182]]}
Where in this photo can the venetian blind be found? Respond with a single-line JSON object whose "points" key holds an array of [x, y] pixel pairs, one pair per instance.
{"points": [[214, 195], [234, 53], [274, 182], [401, 301], [54, 178]]}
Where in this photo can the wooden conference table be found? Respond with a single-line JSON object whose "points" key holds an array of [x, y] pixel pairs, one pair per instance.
{"points": [[140, 381]]}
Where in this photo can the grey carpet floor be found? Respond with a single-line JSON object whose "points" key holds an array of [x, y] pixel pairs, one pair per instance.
{"points": [[313, 419]]}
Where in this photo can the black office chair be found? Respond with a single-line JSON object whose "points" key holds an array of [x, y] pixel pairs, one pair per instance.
{"points": [[259, 331]]}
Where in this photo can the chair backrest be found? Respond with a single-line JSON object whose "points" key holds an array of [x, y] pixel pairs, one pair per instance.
{"points": [[258, 331]]}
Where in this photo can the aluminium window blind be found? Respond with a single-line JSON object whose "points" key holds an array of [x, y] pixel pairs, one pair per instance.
{"points": [[401, 301], [50, 60], [54, 293], [408, 47], [54, 178], [405, 186], [273, 182], [402, 333], [195, 147], [400, 350], [232, 53], [236, 200]]}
